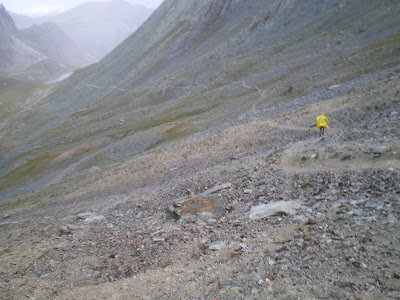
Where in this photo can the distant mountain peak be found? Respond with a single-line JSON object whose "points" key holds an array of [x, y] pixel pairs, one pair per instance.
{"points": [[40, 52], [96, 27], [6, 22]]}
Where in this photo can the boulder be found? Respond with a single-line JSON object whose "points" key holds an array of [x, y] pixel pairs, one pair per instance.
{"points": [[200, 206], [273, 209]]}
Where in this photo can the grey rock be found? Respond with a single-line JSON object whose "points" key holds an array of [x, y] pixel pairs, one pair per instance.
{"points": [[8, 224], [204, 207], [243, 245], [217, 246], [158, 239], [307, 258], [392, 219], [217, 188], [365, 218], [45, 275], [377, 151], [261, 182], [356, 212], [273, 209], [229, 283], [301, 219], [373, 206], [64, 230], [90, 217]]}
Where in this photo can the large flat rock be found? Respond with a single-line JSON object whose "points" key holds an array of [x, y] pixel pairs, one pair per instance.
{"points": [[201, 206], [273, 209]]}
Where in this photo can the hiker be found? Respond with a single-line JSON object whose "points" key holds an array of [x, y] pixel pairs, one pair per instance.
{"points": [[322, 123]]}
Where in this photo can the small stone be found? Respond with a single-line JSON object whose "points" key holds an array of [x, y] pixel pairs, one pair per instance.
{"points": [[8, 224], [377, 151], [45, 276], [392, 219], [271, 262], [307, 258], [217, 246], [158, 239], [235, 247], [90, 217], [243, 245], [229, 283], [365, 218], [64, 230], [217, 188], [301, 219], [261, 182]]}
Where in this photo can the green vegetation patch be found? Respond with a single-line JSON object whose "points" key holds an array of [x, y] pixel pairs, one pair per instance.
{"points": [[376, 56], [305, 185], [28, 171], [176, 132], [13, 93]]}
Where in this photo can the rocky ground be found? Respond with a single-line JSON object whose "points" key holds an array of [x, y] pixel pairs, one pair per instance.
{"points": [[193, 220]]}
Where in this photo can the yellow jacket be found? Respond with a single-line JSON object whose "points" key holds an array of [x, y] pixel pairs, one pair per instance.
{"points": [[322, 121]]}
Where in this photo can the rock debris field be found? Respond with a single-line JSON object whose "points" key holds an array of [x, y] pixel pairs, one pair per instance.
{"points": [[262, 209]]}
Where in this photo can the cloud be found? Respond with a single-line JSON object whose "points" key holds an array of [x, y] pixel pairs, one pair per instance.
{"points": [[43, 7], [42, 10]]}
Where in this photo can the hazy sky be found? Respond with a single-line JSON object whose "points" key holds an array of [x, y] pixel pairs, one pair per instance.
{"points": [[43, 7]]}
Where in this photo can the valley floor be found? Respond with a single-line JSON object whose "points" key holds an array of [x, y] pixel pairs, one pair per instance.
{"points": [[114, 235]]}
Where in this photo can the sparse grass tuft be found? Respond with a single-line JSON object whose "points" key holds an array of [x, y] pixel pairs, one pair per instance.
{"points": [[304, 185]]}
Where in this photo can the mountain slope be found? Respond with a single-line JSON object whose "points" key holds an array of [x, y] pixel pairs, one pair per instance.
{"points": [[138, 177], [97, 27], [206, 64]]}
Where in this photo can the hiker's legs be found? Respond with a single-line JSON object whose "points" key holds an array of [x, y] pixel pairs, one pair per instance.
{"points": [[320, 131]]}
